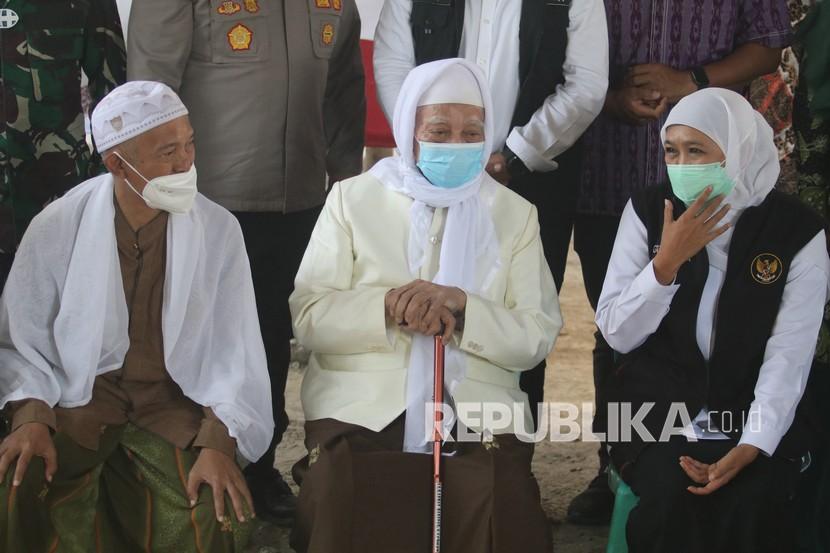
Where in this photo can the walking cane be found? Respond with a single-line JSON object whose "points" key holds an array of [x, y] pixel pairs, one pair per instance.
{"points": [[438, 417]]}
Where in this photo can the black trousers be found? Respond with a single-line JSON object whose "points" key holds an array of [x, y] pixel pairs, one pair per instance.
{"points": [[753, 513], [594, 237], [275, 243], [555, 195], [813, 495]]}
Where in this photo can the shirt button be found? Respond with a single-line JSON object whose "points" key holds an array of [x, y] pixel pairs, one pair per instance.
{"points": [[486, 21], [433, 240], [135, 245]]}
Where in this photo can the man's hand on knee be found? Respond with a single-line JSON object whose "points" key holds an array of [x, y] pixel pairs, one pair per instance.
{"points": [[222, 474], [32, 439]]}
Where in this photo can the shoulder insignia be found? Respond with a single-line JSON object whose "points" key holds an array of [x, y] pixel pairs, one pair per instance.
{"points": [[323, 3], [766, 268], [337, 4], [228, 8], [251, 6], [240, 38], [328, 34]]}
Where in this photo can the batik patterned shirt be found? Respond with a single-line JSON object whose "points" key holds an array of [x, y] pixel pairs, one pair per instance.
{"points": [[620, 158]]}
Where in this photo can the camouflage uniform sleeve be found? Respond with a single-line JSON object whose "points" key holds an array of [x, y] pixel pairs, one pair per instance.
{"points": [[104, 60], [161, 34], [105, 56], [345, 104]]}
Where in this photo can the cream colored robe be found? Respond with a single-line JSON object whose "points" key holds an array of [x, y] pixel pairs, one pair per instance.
{"points": [[358, 252]]}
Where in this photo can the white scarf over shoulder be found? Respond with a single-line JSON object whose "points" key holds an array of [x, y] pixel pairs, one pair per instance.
{"points": [[64, 318], [469, 240]]}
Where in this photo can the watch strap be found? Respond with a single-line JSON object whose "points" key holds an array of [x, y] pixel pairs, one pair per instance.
{"points": [[699, 77]]}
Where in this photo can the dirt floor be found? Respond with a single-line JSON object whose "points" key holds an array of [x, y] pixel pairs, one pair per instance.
{"points": [[563, 469]]}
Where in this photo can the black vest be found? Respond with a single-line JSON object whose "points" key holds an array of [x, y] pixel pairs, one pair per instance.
{"points": [[669, 366], [543, 38]]}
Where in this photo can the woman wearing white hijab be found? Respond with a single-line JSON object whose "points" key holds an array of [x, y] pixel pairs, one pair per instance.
{"points": [[423, 241], [714, 297]]}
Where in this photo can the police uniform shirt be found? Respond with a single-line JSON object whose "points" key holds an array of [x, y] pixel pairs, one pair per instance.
{"points": [[274, 89]]}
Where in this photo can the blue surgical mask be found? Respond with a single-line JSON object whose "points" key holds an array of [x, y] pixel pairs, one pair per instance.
{"points": [[688, 181], [450, 165]]}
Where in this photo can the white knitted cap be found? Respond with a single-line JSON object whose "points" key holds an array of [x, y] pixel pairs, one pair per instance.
{"points": [[132, 109], [456, 85]]}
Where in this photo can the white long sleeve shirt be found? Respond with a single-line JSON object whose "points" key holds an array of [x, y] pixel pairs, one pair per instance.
{"points": [[490, 39], [633, 304]]}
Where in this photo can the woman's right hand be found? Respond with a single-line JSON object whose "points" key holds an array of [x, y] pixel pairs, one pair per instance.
{"points": [[683, 238]]}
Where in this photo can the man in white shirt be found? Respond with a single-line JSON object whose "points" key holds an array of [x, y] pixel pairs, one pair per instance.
{"points": [[546, 64]]}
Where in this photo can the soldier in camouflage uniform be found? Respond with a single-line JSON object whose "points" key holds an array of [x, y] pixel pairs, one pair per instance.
{"points": [[44, 45]]}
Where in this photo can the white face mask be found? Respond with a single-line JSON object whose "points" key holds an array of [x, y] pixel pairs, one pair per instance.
{"points": [[173, 193]]}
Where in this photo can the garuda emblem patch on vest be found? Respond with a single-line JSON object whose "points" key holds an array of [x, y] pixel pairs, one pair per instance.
{"points": [[766, 268]]}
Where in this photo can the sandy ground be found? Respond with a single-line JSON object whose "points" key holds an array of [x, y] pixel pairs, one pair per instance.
{"points": [[563, 469]]}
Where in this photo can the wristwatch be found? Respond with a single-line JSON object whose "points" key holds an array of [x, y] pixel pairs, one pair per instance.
{"points": [[515, 166], [699, 77]]}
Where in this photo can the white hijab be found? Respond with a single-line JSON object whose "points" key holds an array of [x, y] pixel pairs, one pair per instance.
{"points": [[746, 140], [469, 240]]}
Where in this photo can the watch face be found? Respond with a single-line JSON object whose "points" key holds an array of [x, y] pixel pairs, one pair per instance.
{"points": [[699, 77]]}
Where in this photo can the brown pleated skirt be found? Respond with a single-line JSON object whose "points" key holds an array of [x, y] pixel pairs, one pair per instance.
{"points": [[360, 493]]}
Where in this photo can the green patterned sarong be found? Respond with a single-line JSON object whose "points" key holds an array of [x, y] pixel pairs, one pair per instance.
{"points": [[128, 496]]}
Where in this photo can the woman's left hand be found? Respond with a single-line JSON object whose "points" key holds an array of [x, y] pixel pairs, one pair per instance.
{"points": [[713, 477]]}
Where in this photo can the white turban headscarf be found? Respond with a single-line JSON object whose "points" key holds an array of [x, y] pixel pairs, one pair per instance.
{"points": [[469, 240], [746, 140], [741, 132]]}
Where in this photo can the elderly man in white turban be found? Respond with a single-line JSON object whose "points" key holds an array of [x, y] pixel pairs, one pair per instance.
{"points": [[130, 354], [426, 243]]}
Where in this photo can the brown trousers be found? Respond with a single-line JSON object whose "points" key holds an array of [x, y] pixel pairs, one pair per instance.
{"points": [[360, 493]]}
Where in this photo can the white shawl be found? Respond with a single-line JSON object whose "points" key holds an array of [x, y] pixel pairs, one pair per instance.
{"points": [[64, 319], [469, 239]]}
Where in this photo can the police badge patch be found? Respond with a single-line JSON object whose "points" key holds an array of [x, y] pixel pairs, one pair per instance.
{"points": [[240, 38], [328, 34], [766, 268], [228, 8]]}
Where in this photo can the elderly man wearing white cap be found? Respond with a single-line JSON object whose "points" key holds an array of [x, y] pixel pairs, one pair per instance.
{"points": [[132, 361], [425, 243]]}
